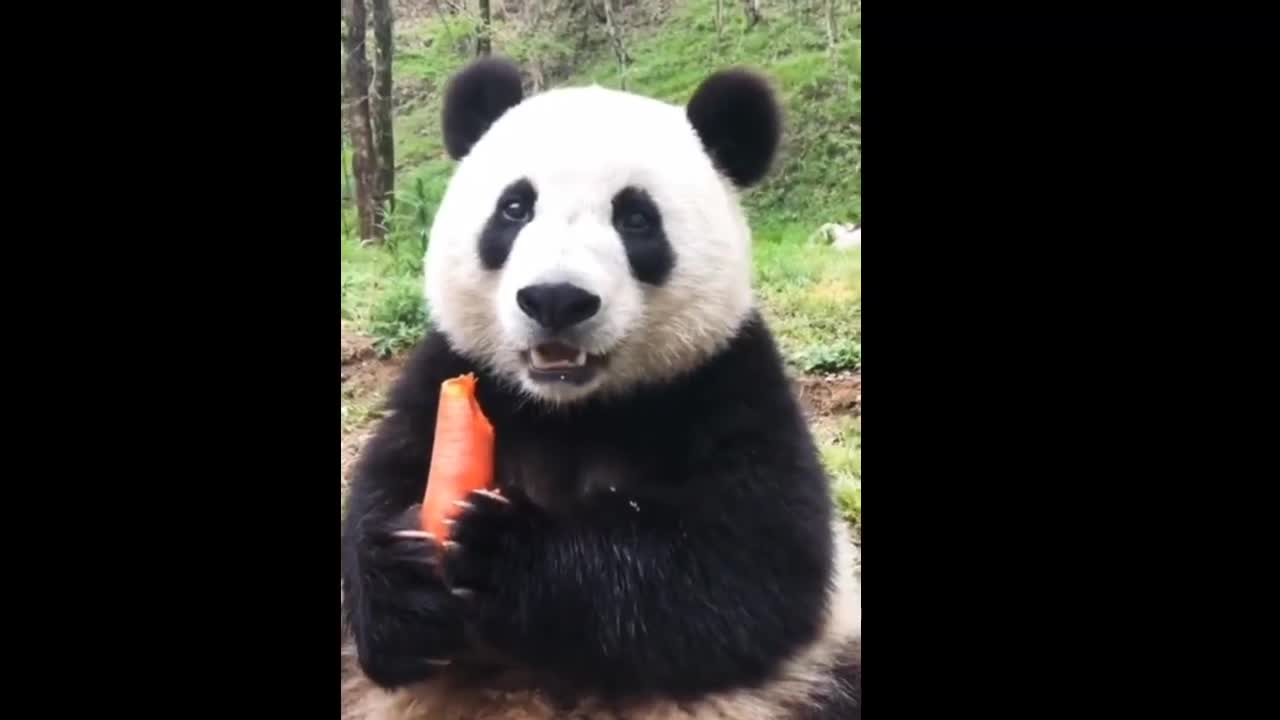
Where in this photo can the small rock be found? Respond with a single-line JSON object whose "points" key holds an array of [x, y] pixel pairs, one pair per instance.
{"points": [[847, 238], [841, 237]]}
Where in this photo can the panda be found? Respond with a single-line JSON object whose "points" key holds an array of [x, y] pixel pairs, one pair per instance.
{"points": [[661, 543]]}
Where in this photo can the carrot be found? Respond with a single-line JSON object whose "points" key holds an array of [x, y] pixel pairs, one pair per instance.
{"points": [[462, 457]]}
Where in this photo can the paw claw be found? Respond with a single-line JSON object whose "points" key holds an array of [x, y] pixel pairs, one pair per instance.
{"points": [[464, 593], [438, 662], [492, 496], [414, 534], [464, 504]]}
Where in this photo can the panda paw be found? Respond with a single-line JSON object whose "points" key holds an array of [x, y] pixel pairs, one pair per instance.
{"points": [[484, 539], [405, 622]]}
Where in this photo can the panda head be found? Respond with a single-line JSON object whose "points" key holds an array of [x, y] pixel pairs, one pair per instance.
{"points": [[591, 240]]}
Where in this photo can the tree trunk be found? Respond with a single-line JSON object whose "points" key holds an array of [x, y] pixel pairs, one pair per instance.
{"points": [[346, 184], [831, 24], [384, 137], [363, 160], [531, 19], [482, 42], [752, 8], [719, 17], [615, 37]]}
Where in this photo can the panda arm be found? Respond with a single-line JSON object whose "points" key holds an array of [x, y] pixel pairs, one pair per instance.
{"points": [[403, 620], [687, 593]]}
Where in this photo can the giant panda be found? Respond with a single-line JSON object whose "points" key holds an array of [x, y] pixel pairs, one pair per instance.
{"points": [[662, 543]]}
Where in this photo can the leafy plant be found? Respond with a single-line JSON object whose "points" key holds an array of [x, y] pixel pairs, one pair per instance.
{"points": [[831, 357], [399, 319]]}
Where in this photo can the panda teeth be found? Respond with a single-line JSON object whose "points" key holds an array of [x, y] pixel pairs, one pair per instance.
{"points": [[541, 362]]}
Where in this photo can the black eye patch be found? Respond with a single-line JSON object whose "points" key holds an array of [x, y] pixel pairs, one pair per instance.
{"points": [[512, 211], [639, 223]]}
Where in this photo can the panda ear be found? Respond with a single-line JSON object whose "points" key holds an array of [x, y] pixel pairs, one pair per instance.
{"points": [[739, 122], [477, 96]]}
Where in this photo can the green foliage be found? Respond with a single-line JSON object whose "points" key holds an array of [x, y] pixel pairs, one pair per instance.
{"points": [[810, 293], [818, 174], [840, 440], [399, 319], [382, 291], [845, 353], [409, 228], [812, 296]]}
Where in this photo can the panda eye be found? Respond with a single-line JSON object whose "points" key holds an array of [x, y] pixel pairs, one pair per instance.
{"points": [[635, 215], [516, 210], [635, 222]]}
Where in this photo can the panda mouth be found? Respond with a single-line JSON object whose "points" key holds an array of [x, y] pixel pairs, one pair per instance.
{"points": [[560, 362]]}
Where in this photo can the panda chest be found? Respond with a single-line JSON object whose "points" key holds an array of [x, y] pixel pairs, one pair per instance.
{"points": [[560, 475]]}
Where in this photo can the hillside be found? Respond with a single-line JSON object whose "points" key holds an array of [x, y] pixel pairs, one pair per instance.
{"points": [[810, 291]]}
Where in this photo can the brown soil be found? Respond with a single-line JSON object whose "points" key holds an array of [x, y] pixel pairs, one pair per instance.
{"points": [[835, 394], [365, 380], [355, 348]]}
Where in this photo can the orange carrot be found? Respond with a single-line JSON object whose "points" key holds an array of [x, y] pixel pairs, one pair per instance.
{"points": [[462, 457]]}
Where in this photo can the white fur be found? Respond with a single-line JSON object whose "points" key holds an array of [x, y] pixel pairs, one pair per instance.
{"points": [[579, 147], [799, 680]]}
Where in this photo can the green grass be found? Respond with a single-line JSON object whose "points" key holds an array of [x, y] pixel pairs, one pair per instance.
{"points": [[811, 294], [382, 293], [841, 443], [817, 177]]}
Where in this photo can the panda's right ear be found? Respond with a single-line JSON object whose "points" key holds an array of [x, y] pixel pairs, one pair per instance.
{"points": [[476, 97]]}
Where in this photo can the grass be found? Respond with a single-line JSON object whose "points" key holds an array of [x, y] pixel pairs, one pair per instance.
{"points": [[812, 297], [817, 177], [382, 293], [811, 294], [840, 441]]}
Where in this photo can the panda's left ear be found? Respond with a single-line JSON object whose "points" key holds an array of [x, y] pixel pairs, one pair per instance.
{"points": [[739, 122], [477, 96]]}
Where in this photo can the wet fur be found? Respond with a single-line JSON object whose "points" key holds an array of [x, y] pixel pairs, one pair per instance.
{"points": [[669, 553]]}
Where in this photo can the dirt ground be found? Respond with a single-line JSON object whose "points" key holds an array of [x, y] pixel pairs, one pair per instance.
{"points": [[830, 395], [366, 378]]}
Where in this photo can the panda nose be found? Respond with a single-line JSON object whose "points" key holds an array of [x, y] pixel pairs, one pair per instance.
{"points": [[557, 306]]}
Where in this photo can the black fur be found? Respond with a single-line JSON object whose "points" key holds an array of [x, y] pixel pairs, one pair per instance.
{"points": [[675, 541], [476, 97], [500, 232], [637, 220], [739, 123]]}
